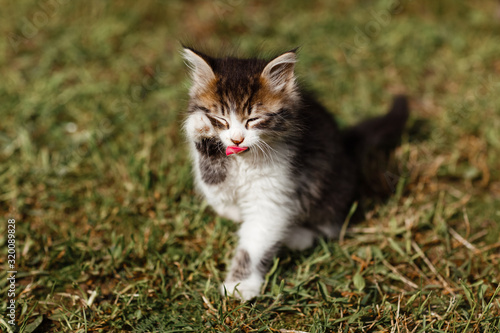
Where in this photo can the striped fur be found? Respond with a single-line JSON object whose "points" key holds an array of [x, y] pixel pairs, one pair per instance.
{"points": [[299, 175]]}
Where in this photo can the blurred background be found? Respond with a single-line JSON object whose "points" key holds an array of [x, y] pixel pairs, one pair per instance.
{"points": [[94, 165]]}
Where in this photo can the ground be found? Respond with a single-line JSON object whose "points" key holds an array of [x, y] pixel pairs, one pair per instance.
{"points": [[110, 235]]}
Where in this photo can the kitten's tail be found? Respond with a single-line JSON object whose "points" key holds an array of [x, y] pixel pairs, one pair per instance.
{"points": [[370, 142], [381, 132]]}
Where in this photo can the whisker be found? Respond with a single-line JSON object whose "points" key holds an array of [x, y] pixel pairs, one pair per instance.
{"points": [[268, 152], [264, 155], [271, 150]]}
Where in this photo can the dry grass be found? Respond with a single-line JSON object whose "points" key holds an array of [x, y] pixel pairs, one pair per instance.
{"points": [[110, 235]]}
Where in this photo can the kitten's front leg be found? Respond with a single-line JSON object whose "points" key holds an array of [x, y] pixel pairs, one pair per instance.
{"points": [[260, 238]]}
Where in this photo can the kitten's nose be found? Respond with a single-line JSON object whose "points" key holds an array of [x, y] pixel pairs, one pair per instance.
{"points": [[237, 140], [237, 136]]}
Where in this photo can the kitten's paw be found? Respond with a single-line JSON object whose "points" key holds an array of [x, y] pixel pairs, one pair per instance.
{"points": [[200, 126], [244, 290]]}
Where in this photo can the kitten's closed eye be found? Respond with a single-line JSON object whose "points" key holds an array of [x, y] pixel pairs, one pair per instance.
{"points": [[251, 121], [218, 122]]}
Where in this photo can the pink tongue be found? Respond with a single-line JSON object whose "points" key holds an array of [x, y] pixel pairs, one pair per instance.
{"points": [[234, 150]]}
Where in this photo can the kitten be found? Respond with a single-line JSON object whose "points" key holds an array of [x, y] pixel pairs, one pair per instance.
{"points": [[269, 156]]}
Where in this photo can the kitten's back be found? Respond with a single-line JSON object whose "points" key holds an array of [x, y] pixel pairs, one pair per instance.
{"points": [[331, 164]]}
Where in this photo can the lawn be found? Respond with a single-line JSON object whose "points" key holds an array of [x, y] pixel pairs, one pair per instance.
{"points": [[110, 235]]}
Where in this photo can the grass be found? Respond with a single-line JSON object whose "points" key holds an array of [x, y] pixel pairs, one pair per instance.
{"points": [[110, 234]]}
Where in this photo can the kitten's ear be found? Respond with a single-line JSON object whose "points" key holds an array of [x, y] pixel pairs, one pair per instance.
{"points": [[201, 72], [279, 71]]}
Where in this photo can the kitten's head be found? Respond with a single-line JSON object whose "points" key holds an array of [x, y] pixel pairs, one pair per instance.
{"points": [[249, 102]]}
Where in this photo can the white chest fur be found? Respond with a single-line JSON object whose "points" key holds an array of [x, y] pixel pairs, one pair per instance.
{"points": [[250, 182]]}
